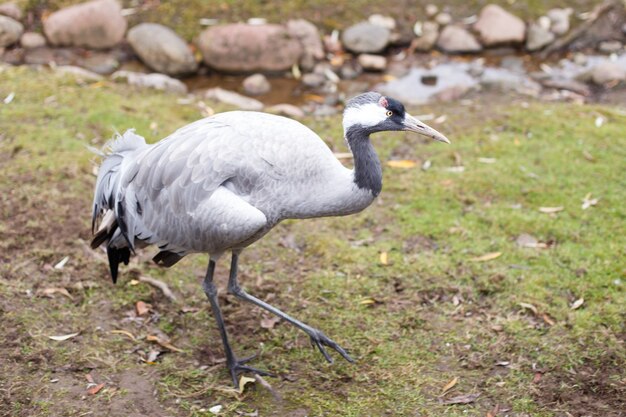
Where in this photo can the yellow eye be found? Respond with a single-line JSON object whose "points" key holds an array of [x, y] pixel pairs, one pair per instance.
{"points": [[389, 113]]}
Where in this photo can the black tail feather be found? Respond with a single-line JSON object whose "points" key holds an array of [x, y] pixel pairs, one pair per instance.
{"points": [[166, 258], [116, 257]]}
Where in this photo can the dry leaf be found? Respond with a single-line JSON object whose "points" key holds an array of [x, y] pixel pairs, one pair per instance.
{"points": [[96, 389], [142, 308], [216, 409], [368, 301], [9, 98], [152, 356], [588, 202], [550, 210], [243, 381], [449, 385], [576, 304], [384, 258], [62, 263], [548, 319], [487, 257], [49, 292], [125, 333], [401, 163], [462, 399], [164, 343], [529, 307], [269, 323], [64, 337]]}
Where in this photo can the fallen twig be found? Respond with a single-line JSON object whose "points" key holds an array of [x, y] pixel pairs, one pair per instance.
{"points": [[160, 285], [268, 387]]}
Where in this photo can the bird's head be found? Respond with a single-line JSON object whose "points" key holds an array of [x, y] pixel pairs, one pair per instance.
{"points": [[372, 112]]}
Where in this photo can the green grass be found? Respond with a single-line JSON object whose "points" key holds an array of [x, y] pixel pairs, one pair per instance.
{"points": [[437, 313]]}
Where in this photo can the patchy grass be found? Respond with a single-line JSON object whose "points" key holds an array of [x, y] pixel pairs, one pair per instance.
{"points": [[505, 327]]}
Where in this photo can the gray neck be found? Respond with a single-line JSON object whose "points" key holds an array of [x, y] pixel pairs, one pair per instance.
{"points": [[367, 171]]}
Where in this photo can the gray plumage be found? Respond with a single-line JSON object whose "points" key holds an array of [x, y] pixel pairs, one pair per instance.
{"points": [[221, 183]]}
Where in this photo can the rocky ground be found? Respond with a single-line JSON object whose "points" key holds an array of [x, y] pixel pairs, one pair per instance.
{"points": [[488, 279]]}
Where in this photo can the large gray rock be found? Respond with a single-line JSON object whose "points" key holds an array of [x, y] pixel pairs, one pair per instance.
{"points": [[249, 48], [365, 37], [11, 10], [310, 39], [95, 24], [456, 39], [496, 26], [161, 49], [10, 31], [538, 37]]}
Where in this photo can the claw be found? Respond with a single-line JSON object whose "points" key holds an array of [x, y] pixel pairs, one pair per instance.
{"points": [[320, 340], [237, 367]]}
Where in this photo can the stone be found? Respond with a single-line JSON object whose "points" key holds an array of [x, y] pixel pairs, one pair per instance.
{"points": [[443, 19], [95, 24], [310, 39], [288, 110], [11, 10], [81, 74], [429, 32], [431, 10], [256, 85], [538, 37], [610, 47], [604, 73], [10, 31], [387, 22], [30, 40], [234, 99], [161, 49], [100, 62], [495, 26], [313, 79], [372, 62], [559, 20], [457, 39], [249, 48], [155, 81], [365, 37], [49, 56], [350, 71]]}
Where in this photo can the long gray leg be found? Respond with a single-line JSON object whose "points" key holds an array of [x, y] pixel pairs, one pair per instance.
{"points": [[318, 338], [234, 366]]}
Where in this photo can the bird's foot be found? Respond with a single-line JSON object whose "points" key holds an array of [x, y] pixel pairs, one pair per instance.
{"points": [[237, 367], [320, 340]]}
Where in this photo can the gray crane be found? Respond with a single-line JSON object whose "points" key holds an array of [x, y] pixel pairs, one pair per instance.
{"points": [[221, 183]]}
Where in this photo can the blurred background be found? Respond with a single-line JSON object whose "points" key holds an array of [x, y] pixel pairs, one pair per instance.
{"points": [[486, 280]]}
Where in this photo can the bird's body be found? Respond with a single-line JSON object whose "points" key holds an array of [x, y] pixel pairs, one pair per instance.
{"points": [[215, 185], [221, 183]]}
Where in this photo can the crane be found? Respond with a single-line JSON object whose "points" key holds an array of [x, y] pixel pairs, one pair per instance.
{"points": [[221, 183]]}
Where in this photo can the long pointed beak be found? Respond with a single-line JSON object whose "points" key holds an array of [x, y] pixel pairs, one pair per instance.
{"points": [[411, 124]]}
